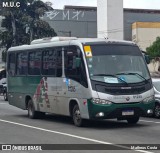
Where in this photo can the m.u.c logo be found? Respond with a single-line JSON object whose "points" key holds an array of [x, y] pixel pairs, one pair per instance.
{"points": [[11, 4]]}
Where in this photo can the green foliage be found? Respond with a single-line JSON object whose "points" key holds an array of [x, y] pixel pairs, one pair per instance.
{"points": [[154, 49], [24, 24]]}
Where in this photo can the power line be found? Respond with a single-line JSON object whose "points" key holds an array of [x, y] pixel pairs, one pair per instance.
{"points": [[115, 30]]}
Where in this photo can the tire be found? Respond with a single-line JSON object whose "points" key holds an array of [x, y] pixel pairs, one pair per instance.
{"points": [[76, 115], [5, 96], [157, 111], [133, 120], [32, 113]]}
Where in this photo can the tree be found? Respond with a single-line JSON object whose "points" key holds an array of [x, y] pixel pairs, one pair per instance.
{"points": [[154, 50], [24, 23]]}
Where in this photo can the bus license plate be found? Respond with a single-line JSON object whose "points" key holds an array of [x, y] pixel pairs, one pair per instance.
{"points": [[127, 112]]}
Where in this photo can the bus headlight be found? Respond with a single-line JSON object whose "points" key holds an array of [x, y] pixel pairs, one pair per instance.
{"points": [[149, 99], [101, 101]]}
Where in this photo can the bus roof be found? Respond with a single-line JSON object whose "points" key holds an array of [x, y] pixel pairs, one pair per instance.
{"points": [[63, 41]]}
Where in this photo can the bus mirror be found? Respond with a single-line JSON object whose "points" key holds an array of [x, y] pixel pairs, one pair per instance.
{"points": [[147, 59]]}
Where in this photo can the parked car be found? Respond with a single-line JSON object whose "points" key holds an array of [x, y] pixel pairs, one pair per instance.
{"points": [[5, 94], [156, 86], [2, 83], [2, 79]]}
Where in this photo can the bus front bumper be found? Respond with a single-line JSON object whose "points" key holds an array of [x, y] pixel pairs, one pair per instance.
{"points": [[120, 111]]}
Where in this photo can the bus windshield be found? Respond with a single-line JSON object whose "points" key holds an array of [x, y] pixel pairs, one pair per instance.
{"points": [[117, 64]]}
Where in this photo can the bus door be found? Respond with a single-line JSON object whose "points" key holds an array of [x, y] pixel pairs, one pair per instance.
{"points": [[66, 85], [69, 86]]}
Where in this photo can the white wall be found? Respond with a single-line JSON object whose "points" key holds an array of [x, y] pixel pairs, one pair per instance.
{"points": [[146, 36], [145, 33], [110, 19], [154, 66]]}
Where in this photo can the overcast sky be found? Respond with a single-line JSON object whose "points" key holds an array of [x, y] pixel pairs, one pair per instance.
{"points": [[144, 4]]}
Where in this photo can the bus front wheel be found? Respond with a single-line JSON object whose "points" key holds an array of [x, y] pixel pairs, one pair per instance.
{"points": [[133, 120], [76, 115], [157, 111]]}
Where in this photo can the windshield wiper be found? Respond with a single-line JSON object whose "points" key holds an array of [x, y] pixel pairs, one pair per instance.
{"points": [[111, 76], [132, 74]]}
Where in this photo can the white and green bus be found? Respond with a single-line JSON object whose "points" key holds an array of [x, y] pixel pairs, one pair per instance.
{"points": [[80, 77]]}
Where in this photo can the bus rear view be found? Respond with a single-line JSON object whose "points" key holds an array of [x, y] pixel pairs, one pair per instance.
{"points": [[120, 81]]}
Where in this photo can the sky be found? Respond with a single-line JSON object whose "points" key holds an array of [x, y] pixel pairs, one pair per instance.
{"points": [[141, 4]]}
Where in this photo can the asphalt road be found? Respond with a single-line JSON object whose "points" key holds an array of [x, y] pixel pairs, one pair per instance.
{"points": [[17, 128]]}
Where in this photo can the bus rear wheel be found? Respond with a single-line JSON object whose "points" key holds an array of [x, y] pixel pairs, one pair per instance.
{"points": [[76, 115], [32, 113], [31, 110], [133, 120]]}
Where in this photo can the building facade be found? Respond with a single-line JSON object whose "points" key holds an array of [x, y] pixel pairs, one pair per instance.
{"points": [[145, 33], [69, 22], [82, 21]]}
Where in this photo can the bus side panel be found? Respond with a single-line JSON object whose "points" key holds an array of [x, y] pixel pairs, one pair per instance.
{"points": [[19, 87], [45, 95], [17, 99], [68, 90]]}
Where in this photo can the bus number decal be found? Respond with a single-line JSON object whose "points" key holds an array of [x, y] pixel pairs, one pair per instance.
{"points": [[72, 88]]}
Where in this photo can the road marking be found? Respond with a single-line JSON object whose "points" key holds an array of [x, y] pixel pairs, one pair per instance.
{"points": [[71, 135], [149, 121]]}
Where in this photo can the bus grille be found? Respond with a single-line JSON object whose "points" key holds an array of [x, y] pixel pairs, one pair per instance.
{"points": [[117, 91]]}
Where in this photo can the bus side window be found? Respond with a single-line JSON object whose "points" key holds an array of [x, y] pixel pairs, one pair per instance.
{"points": [[70, 69], [11, 64], [22, 63], [74, 70], [49, 62], [34, 67]]}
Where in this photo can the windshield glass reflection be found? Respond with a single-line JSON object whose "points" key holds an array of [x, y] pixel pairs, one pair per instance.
{"points": [[118, 66]]}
